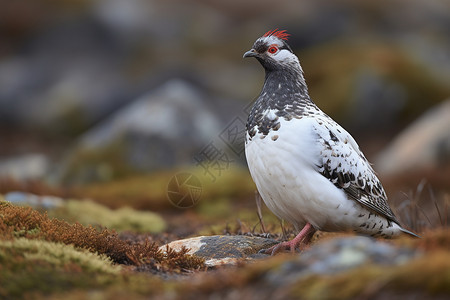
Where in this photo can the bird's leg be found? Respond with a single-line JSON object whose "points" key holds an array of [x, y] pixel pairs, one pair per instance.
{"points": [[304, 236]]}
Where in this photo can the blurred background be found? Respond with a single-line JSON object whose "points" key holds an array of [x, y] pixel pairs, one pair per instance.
{"points": [[109, 99]]}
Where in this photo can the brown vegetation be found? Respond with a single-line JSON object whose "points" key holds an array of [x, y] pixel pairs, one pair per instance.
{"points": [[26, 222]]}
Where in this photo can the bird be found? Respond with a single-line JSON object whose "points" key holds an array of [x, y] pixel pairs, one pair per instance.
{"points": [[308, 169]]}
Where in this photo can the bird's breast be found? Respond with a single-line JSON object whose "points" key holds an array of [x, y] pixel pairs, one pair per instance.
{"points": [[281, 163]]}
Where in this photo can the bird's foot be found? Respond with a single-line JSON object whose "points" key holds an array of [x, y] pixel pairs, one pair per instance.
{"points": [[283, 246], [303, 237]]}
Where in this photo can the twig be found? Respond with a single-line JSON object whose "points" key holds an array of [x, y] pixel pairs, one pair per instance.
{"points": [[259, 212]]}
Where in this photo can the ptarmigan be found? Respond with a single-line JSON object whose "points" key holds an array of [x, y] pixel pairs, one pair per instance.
{"points": [[307, 168]]}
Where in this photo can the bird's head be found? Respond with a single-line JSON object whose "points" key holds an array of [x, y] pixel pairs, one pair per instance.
{"points": [[272, 51]]}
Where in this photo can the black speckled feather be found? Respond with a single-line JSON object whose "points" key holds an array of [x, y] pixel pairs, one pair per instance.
{"points": [[347, 168]]}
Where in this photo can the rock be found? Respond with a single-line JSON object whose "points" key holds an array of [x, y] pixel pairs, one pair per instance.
{"points": [[170, 111], [162, 129], [35, 201], [424, 144], [28, 166], [76, 87], [328, 257], [223, 249], [339, 255]]}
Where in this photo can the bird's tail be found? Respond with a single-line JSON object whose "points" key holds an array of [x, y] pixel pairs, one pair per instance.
{"points": [[410, 233]]}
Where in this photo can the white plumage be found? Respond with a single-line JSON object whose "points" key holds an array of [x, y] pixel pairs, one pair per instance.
{"points": [[284, 166]]}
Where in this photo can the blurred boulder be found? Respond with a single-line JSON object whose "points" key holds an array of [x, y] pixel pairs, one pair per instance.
{"points": [[35, 201], [24, 167], [425, 144], [65, 80], [163, 128], [339, 255]]}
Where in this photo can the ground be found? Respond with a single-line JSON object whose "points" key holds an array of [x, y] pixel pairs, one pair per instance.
{"points": [[83, 248]]}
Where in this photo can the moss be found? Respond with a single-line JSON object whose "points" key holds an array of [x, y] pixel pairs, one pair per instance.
{"points": [[31, 269], [28, 266], [15, 219], [45, 262], [125, 218], [56, 254]]}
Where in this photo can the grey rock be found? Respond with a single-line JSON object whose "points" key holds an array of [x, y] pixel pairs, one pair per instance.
{"points": [[328, 257], [170, 111], [424, 144], [67, 79], [163, 128], [223, 249], [27, 199], [338, 255]]}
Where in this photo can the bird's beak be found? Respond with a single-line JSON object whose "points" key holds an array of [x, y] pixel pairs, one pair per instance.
{"points": [[250, 53]]}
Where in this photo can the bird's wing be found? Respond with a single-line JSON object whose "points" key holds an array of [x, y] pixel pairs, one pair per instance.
{"points": [[345, 166]]}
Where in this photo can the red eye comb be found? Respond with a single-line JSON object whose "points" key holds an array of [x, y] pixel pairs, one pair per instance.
{"points": [[281, 34]]}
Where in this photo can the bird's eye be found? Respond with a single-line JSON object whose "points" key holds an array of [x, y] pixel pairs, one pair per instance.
{"points": [[272, 49]]}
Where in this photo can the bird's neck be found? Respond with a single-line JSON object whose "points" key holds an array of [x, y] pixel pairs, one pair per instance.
{"points": [[287, 81], [284, 92]]}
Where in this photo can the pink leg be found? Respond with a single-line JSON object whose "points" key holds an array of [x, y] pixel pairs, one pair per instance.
{"points": [[304, 236]]}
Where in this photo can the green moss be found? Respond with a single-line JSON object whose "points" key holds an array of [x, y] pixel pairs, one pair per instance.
{"points": [[125, 218], [67, 273], [31, 265], [56, 255]]}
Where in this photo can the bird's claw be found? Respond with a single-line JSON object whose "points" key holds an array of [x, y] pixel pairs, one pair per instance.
{"points": [[277, 248]]}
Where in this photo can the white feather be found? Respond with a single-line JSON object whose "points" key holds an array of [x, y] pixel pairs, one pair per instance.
{"points": [[286, 174]]}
